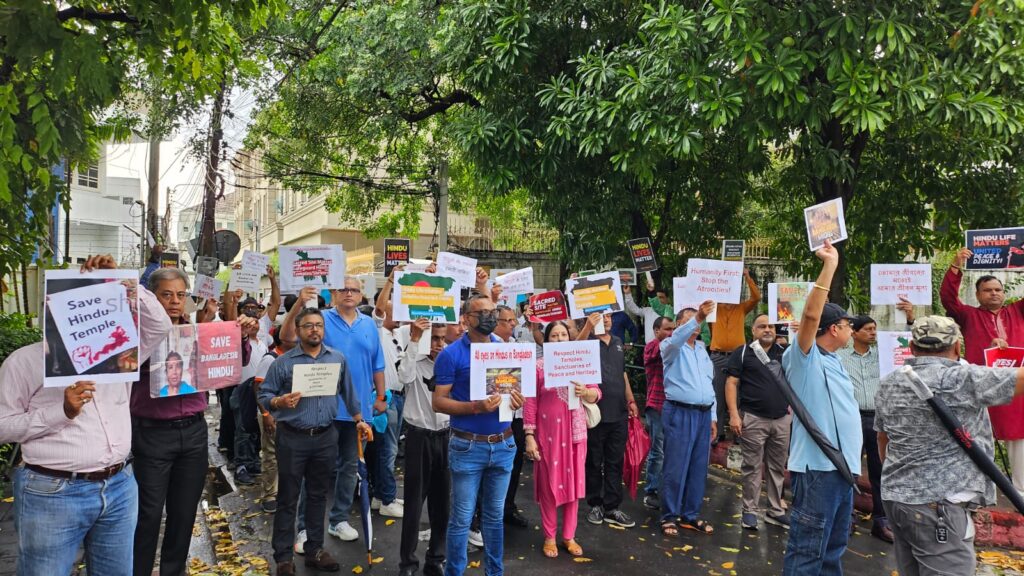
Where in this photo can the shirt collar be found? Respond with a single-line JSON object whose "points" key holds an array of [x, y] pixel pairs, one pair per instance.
{"points": [[925, 360]]}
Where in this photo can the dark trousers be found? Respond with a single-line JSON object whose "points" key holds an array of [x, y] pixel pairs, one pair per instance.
{"points": [[606, 451], [170, 468], [867, 424], [226, 430], [247, 430], [426, 477], [720, 360], [301, 457], [517, 465]]}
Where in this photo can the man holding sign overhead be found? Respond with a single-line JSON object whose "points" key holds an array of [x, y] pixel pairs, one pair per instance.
{"points": [[307, 436]]}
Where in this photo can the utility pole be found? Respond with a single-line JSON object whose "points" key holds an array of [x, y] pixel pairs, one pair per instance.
{"points": [[442, 208], [142, 236], [153, 200], [206, 247]]}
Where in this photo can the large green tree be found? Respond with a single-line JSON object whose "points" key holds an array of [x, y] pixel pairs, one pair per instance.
{"points": [[64, 66]]}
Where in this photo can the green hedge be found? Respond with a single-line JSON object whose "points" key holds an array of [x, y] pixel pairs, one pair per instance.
{"points": [[15, 333]]}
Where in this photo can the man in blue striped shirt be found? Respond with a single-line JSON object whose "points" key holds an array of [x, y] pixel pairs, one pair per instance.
{"points": [[307, 441]]}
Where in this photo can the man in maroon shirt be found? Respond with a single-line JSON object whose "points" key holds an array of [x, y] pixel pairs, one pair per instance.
{"points": [[655, 372], [990, 325]]}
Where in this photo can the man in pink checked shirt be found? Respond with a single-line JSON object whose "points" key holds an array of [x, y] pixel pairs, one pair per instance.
{"points": [[77, 485]]}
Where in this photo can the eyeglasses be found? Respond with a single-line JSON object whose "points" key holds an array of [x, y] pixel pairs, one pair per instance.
{"points": [[483, 313], [348, 290], [311, 326]]}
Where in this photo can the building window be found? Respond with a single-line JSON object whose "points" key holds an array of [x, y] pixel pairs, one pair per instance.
{"points": [[90, 177]]}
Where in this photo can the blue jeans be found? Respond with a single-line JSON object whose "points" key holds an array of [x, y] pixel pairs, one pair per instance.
{"points": [[386, 488], [686, 461], [819, 524], [656, 456], [53, 516], [478, 469]]}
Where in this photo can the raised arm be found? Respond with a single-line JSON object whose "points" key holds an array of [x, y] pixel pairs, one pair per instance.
{"points": [[818, 297], [275, 295], [755, 293], [949, 292], [288, 324]]}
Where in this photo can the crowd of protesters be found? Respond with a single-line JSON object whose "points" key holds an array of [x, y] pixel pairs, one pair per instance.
{"points": [[110, 467]]}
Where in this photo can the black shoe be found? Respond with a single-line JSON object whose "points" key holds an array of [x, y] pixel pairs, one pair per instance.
{"points": [[243, 477], [652, 502], [322, 561], [514, 518], [434, 568], [269, 505], [407, 571], [882, 531]]}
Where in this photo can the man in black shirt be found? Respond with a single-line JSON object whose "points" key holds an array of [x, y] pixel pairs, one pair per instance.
{"points": [[760, 417]]}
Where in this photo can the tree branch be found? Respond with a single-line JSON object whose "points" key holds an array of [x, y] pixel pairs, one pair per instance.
{"points": [[436, 106], [93, 16]]}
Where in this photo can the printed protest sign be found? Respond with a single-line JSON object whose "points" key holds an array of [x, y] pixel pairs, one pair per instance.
{"points": [[517, 282], [206, 287], [643, 254], [90, 327], [786, 301], [568, 362], [548, 307], [680, 302], [396, 253], [889, 282], [172, 367], [207, 266], [316, 379], [995, 249], [650, 316], [498, 368], [316, 266], [825, 221], [255, 262], [461, 268], [594, 293], [1009, 358], [422, 295], [169, 260], [245, 280], [219, 347], [733, 250], [627, 276], [713, 280], [893, 351]]}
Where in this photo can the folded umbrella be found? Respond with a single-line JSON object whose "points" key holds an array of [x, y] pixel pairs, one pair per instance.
{"points": [[364, 503], [638, 443]]}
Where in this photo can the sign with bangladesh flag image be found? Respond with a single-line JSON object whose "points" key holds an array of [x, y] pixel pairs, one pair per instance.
{"points": [[422, 295]]}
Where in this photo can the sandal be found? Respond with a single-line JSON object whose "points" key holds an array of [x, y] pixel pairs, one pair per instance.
{"points": [[697, 525], [550, 549], [668, 528], [573, 548]]}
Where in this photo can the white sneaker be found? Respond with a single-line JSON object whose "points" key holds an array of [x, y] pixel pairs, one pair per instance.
{"points": [[375, 504], [344, 531], [394, 510], [300, 543], [425, 535], [476, 538]]}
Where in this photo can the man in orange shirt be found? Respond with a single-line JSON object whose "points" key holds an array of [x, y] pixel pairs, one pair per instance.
{"points": [[727, 335]]}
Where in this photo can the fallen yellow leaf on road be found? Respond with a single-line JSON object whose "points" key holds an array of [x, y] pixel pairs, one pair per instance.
{"points": [[727, 565], [389, 522], [357, 570], [581, 560]]}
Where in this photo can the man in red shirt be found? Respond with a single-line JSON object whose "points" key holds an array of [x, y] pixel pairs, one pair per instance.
{"points": [[655, 372], [991, 324]]}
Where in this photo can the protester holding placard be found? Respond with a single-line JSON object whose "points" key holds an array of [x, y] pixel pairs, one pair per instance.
{"points": [[822, 496], [727, 336], [307, 439], [990, 324], [243, 399], [654, 371], [78, 436], [556, 440]]}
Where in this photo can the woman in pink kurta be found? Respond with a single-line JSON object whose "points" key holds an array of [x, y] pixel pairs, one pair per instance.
{"points": [[556, 439]]}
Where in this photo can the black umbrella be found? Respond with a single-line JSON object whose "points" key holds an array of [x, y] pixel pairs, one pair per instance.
{"points": [[963, 438]]}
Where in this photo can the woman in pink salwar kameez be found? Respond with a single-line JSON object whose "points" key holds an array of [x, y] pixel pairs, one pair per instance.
{"points": [[556, 439]]}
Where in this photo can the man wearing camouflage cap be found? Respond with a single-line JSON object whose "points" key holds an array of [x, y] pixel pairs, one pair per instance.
{"points": [[929, 484]]}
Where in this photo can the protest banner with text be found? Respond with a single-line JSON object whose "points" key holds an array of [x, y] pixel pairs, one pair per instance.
{"points": [[396, 253], [516, 282], [893, 351], [498, 368], [1008, 358], [713, 280], [322, 267], [461, 268], [255, 262], [995, 249], [245, 280], [170, 260], [219, 348], [206, 287], [680, 299], [643, 255], [890, 282], [548, 307], [172, 368], [825, 221], [786, 301], [733, 250], [316, 379], [627, 276], [595, 293], [422, 295], [568, 362]]}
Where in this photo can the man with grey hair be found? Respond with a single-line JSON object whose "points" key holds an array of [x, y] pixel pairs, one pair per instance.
{"points": [[929, 484]]}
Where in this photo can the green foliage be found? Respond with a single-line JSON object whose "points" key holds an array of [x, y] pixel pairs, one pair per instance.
{"points": [[15, 332]]}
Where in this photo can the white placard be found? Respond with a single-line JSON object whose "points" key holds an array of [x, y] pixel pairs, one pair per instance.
{"points": [[316, 379], [911, 281], [573, 361], [497, 368], [461, 268], [594, 293], [679, 301], [649, 317], [316, 266], [245, 280], [94, 323], [422, 347], [893, 351], [716, 280], [369, 282], [206, 287], [518, 282], [255, 262], [422, 295]]}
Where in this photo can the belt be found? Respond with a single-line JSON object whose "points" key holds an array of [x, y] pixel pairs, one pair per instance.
{"points": [[867, 412], [427, 431], [489, 438], [701, 407], [177, 423], [95, 476], [721, 352], [398, 392], [306, 431]]}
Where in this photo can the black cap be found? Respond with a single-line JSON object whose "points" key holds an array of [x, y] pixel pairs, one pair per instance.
{"points": [[861, 321], [831, 314], [250, 301]]}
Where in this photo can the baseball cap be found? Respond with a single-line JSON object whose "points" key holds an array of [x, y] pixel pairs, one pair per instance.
{"points": [[831, 314], [935, 332], [250, 301], [861, 321]]}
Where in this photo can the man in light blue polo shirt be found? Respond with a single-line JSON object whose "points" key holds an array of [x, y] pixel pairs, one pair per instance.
{"points": [[481, 448], [822, 498], [690, 420]]}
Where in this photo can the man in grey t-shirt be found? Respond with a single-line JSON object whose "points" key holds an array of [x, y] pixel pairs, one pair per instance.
{"points": [[929, 484]]}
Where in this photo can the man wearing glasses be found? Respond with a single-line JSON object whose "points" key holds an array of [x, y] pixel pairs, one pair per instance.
{"points": [[822, 498]]}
